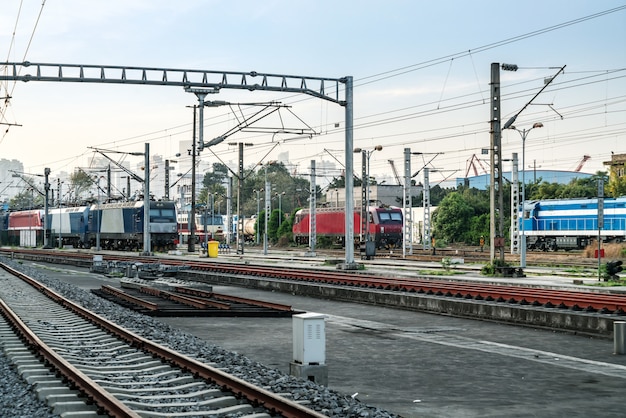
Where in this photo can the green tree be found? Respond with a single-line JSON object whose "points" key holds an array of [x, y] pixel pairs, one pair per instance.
{"points": [[452, 217], [463, 215], [285, 234], [616, 187], [576, 188], [340, 182]]}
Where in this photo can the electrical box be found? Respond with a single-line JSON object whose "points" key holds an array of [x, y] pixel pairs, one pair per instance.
{"points": [[309, 338]]}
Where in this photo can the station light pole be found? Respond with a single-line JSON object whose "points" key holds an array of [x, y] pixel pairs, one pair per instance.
{"points": [[524, 133]]}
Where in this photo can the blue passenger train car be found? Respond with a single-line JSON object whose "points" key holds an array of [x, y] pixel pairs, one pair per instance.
{"points": [[572, 223]]}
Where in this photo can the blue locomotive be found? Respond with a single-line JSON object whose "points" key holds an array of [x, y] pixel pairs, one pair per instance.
{"points": [[566, 224], [118, 226]]}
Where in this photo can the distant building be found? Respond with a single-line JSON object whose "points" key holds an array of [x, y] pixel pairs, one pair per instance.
{"points": [[9, 185], [482, 181], [617, 166]]}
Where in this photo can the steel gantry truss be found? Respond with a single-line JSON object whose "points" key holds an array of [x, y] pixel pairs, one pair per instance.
{"points": [[208, 79], [329, 89]]}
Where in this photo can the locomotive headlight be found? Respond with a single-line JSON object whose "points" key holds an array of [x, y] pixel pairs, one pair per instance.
{"points": [[382, 229]]}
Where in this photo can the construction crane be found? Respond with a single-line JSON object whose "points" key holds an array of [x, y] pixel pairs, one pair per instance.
{"points": [[582, 162], [395, 172], [472, 164]]}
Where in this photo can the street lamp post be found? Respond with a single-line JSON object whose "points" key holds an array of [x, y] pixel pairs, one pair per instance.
{"points": [[524, 134]]}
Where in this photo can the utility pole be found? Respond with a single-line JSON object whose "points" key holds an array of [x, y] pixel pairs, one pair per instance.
{"points": [[407, 205], [146, 204], [240, 238], [191, 221], [312, 214], [46, 223], [427, 244], [496, 202], [515, 202]]}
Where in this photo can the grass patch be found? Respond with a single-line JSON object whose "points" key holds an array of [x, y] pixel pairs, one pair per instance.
{"points": [[440, 273], [610, 283]]}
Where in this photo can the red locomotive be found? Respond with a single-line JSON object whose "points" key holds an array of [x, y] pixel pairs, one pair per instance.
{"points": [[385, 225]]}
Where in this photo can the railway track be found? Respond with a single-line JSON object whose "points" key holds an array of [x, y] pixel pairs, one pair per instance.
{"points": [[597, 302], [188, 301], [577, 300], [113, 371]]}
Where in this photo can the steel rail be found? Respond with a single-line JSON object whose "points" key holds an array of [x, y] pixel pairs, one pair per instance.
{"points": [[111, 405], [204, 293], [130, 298], [532, 296], [261, 397], [512, 294]]}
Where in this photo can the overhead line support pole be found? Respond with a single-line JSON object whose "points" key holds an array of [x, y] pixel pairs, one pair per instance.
{"points": [[146, 204], [349, 180], [496, 202]]}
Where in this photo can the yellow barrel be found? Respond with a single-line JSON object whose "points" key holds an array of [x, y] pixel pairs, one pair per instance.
{"points": [[213, 249]]}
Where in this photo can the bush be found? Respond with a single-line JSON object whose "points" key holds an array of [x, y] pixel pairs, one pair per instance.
{"points": [[490, 269]]}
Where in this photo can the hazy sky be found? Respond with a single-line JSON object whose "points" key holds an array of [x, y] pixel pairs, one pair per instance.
{"points": [[421, 73]]}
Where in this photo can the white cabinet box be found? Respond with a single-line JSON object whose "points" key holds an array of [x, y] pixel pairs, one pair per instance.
{"points": [[309, 338]]}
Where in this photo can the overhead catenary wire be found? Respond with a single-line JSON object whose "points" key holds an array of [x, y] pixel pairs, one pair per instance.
{"points": [[362, 126]]}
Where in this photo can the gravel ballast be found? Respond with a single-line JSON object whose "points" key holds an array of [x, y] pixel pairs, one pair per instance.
{"points": [[18, 399]]}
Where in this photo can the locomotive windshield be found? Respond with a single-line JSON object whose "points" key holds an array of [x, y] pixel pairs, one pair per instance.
{"points": [[162, 215], [211, 220], [390, 217]]}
